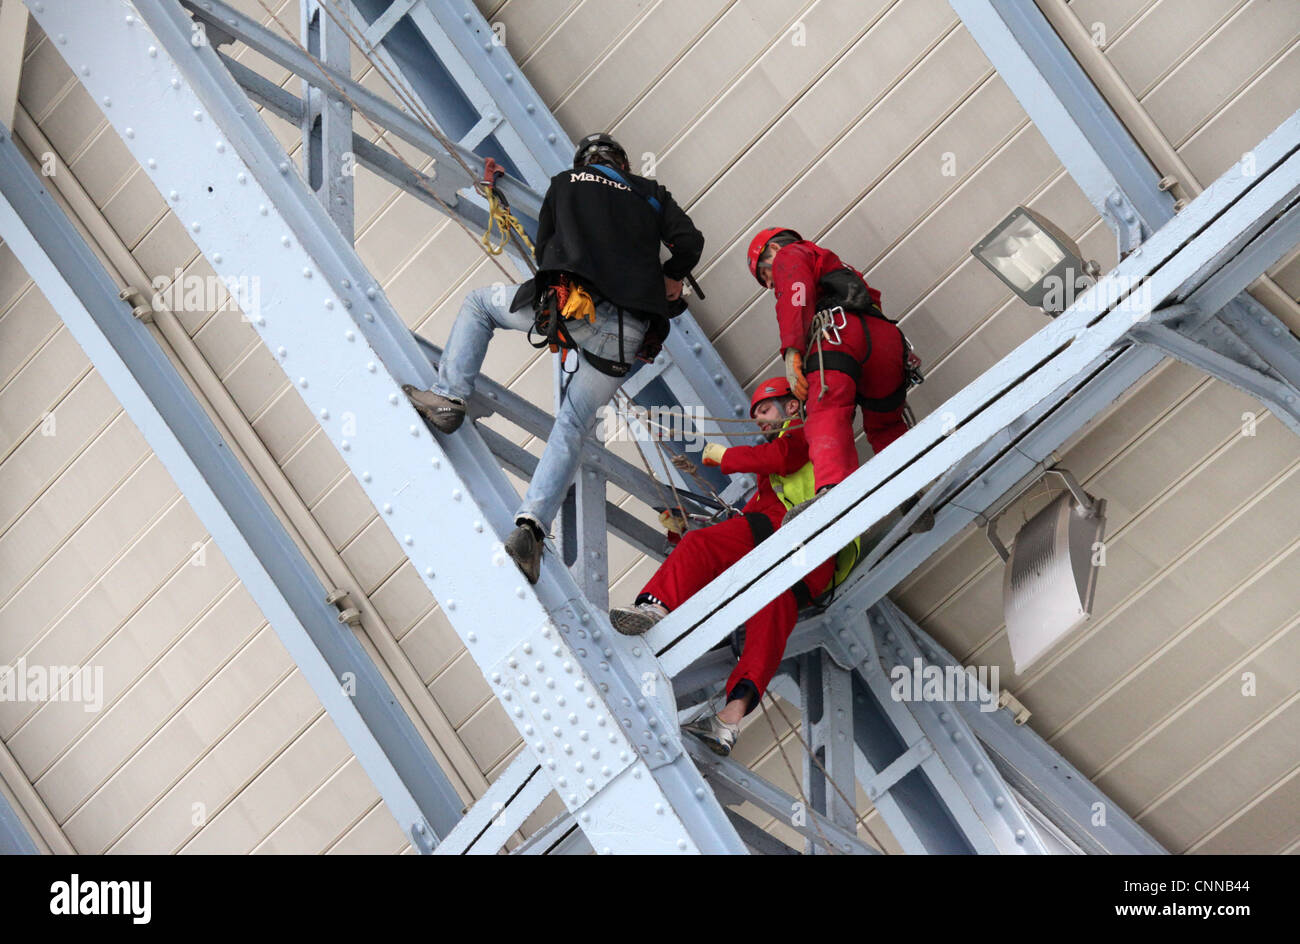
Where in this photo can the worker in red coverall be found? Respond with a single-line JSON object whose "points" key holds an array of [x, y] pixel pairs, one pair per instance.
{"points": [[703, 554], [840, 351]]}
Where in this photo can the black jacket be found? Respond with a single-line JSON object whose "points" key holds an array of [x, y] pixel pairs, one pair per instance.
{"points": [[608, 234]]}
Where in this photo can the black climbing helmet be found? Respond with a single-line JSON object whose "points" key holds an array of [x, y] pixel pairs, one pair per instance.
{"points": [[599, 146]]}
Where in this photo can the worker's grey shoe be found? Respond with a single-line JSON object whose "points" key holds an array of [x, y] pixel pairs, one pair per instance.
{"points": [[636, 619], [800, 508], [446, 413], [716, 733], [524, 545], [924, 521]]}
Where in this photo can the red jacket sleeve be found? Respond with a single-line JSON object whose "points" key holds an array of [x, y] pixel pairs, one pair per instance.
{"points": [[782, 456], [794, 279]]}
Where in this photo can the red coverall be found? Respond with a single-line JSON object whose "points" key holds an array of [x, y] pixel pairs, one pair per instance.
{"points": [[873, 342], [703, 554]]}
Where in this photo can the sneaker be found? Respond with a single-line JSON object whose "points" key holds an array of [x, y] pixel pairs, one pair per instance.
{"points": [[800, 508], [446, 413], [924, 521], [716, 733], [636, 619], [525, 548]]}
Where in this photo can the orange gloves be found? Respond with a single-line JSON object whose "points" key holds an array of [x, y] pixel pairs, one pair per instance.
{"points": [[794, 373]]}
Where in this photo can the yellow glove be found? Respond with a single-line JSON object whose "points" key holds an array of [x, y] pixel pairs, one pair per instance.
{"points": [[794, 373], [673, 520], [712, 454]]}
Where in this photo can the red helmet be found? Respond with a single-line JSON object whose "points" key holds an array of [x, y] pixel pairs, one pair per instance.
{"points": [[759, 243], [769, 388]]}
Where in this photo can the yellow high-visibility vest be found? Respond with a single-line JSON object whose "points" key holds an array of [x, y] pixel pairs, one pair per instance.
{"points": [[799, 487]]}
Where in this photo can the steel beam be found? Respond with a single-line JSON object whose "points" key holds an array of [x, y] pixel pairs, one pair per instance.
{"points": [[347, 353], [268, 562], [826, 712], [525, 201], [1189, 248], [1036, 769], [1279, 397], [499, 812], [326, 121], [960, 771]]}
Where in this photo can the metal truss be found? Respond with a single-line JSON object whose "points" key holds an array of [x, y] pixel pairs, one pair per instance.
{"points": [[589, 704], [1113, 172], [945, 777], [268, 562]]}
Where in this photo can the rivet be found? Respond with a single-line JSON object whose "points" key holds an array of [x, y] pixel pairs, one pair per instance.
{"points": [[681, 844], [198, 115], [221, 147], [329, 304], [306, 273], [176, 83], [284, 167], [195, 226], [659, 808], [370, 366], [130, 132], [281, 352], [325, 414], [451, 604], [428, 572], [573, 799], [85, 70], [455, 494], [302, 381], [241, 177], [108, 102], [519, 592], [153, 52], [414, 430], [519, 712], [216, 258], [408, 540], [152, 164], [284, 240]]}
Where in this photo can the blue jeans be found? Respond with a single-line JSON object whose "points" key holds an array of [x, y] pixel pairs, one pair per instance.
{"points": [[483, 311]]}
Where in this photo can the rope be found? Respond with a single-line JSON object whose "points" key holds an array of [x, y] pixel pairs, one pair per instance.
{"points": [[860, 819], [503, 221], [798, 782]]}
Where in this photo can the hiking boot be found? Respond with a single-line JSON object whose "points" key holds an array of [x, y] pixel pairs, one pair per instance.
{"points": [[716, 733], [524, 545], [800, 508], [445, 413], [636, 619], [924, 522]]}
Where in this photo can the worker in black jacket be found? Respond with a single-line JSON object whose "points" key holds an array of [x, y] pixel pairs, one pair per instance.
{"points": [[600, 292]]}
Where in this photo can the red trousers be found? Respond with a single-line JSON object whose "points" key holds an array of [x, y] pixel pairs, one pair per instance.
{"points": [[701, 556], [829, 423]]}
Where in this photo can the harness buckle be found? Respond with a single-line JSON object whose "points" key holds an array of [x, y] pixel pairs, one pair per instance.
{"points": [[825, 324]]}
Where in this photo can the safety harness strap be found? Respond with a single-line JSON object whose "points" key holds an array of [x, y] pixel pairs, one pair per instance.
{"points": [[847, 364]]}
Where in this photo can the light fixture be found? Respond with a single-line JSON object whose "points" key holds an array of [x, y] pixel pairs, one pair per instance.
{"points": [[1036, 260], [1051, 573]]}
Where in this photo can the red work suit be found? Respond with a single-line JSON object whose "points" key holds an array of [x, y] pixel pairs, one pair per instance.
{"points": [[703, 554], [873, 342]]}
